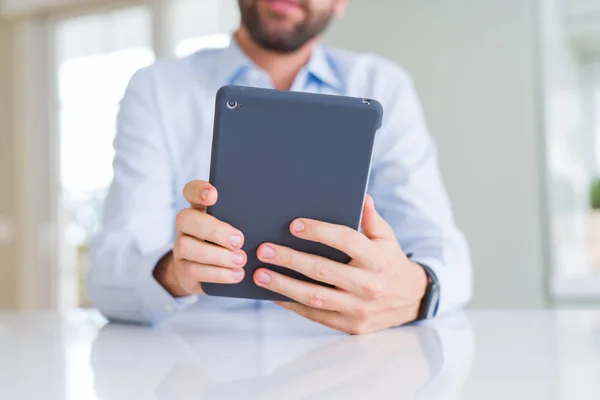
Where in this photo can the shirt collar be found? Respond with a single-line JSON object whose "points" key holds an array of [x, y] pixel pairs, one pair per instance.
{"points": [[321, 67], [234, 62]]}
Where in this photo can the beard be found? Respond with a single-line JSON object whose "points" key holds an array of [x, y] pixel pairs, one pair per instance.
{"points": [[291, 40]]}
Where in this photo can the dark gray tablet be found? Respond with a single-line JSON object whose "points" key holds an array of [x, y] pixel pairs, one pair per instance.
{"points": [[281, 155]]}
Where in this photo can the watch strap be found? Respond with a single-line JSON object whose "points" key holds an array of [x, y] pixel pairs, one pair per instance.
{"points": [[431, 299]]}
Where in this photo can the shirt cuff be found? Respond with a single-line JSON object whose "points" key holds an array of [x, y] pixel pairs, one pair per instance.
{"points": [[157, 302]]}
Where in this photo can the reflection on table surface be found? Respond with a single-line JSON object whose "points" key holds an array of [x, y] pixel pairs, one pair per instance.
{"points": [[274, 354], [265, 355]]}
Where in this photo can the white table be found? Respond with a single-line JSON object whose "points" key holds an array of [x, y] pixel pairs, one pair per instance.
{"points": [[272, 354]]}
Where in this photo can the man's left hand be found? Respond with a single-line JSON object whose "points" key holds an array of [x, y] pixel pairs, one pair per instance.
{"points": [[378, 289]]}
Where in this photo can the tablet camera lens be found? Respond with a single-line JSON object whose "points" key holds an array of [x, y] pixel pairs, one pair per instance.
{"points": [[366, 102], [231, 104]]}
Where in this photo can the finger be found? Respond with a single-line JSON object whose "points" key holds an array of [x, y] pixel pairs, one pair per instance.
{"points": [[318, 268], [206, 227], [331, 319], [373, 225], [210, 274], [191, 249], [310, 294], [353, 243], [191, 275], [200, 194]]}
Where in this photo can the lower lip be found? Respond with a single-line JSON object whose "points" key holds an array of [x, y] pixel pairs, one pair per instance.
{"points": [[281, 6]]}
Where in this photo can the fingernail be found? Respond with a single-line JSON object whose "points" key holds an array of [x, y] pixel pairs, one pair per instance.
{"points": [[235, 240], [264, 278], [268, 252], [204, 194], [237, 274], [237, 258], [298, 226]]}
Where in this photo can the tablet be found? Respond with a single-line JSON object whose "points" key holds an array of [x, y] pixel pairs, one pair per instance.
{"points": [[282, 155]]}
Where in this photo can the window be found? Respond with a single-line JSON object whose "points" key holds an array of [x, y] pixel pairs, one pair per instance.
{"points": [[569, 139], [96, 56], [190, 46], [200, 24], [595, 198]]}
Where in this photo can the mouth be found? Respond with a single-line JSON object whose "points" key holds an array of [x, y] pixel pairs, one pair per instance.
{"points": [[283, 6]]}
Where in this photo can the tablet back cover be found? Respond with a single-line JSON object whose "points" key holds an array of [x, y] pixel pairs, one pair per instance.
{"points": [[281, 155]]}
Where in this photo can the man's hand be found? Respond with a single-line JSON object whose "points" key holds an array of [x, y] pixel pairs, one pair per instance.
{"points": [[378, 289], [205, 249]]}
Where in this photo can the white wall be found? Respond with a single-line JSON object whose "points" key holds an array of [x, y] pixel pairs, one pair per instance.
{"points": [[475, 65]]}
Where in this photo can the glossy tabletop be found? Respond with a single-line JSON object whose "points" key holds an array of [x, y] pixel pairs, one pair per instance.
{"points": [[273, 354]]}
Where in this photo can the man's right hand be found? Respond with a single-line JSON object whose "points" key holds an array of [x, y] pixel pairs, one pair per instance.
{"points": [[205, 249]]}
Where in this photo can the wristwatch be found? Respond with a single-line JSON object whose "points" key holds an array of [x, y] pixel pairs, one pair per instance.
{"points": [[431, 300]]}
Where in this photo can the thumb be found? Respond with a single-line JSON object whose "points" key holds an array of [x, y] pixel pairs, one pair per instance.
{"points": [[373, 225]]}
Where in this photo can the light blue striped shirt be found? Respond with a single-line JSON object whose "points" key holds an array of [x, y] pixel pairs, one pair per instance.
{"points": [[163, 141]]}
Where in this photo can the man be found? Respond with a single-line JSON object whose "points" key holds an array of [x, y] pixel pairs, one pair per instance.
{"points": [[143, 270]]}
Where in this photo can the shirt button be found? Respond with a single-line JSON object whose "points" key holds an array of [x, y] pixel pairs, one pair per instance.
{"points": [[169, 307]]}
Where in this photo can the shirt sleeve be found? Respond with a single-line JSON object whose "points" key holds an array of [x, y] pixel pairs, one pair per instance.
{"points": [[408, 191], [139, 215]]}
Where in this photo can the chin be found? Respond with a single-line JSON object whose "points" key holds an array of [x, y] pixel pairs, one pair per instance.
{"points": [[278, 31]]}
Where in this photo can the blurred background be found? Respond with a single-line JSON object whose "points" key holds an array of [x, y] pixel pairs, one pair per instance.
{"points": [[511, 89]]}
